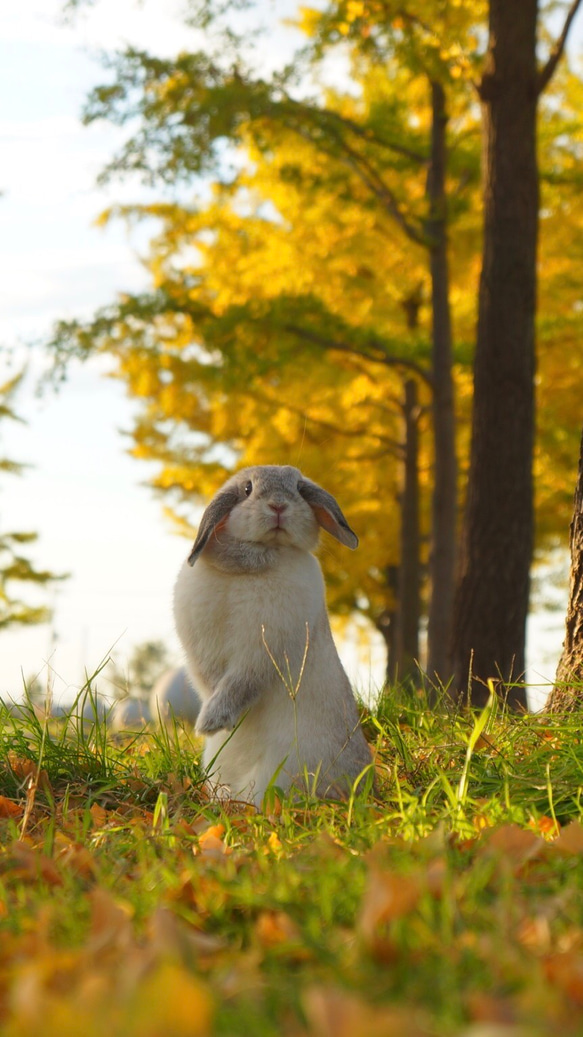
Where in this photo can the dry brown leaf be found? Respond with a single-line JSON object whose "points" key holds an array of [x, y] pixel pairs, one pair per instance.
{"points": [[535, 933], [171, 936], [98, 815], [436, 877], [111, 924], [9, 808], [274, 928], [336, 1013], [30, 864], [24, 769], [388, 895], [486, 1008], [514, 845], [75, 857], [570, 840], [565, 971]]}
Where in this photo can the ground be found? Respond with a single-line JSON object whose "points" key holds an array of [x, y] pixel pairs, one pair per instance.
{"points": [[445, 901]]}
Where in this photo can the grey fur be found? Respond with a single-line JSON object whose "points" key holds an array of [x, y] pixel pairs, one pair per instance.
{"points": [[280, 484], [218, 509], [333, 521], [252, 618]]}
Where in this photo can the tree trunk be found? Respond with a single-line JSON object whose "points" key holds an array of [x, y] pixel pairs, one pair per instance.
{"points": [[564, 695], [407, 634], [493, 582], [444, 502]]}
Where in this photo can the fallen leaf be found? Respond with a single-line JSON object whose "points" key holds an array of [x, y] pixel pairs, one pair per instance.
{"points": [[30, 865], [275, 927], [210, 842], [388, 895], [24, 769], [171, 937], [110, 922], [535, 933], [9, 808], [98, 815], [171, 1001], [486, 1008], [565, 971], [569, 840], [336, 1013], [77, 858], [515, 845]]}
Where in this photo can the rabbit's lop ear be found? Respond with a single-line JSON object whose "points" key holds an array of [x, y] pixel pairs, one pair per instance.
{"points": [[327, 512], [217, 512]]}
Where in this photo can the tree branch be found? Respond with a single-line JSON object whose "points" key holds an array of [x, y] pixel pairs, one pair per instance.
{"points": [[370, 177], [389, 444], [380, 357], [547, 71]]}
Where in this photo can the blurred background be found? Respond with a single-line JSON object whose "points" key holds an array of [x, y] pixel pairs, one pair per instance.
{"points": [[80, 490]]}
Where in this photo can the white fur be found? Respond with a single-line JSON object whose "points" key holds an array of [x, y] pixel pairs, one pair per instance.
{"points": [[250, 613]]}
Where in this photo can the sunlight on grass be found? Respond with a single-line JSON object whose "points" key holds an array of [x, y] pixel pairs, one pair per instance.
{"points": [[447, 899]]}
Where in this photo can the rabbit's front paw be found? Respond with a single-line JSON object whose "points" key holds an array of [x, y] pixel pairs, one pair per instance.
{"points": [[215, 716]]}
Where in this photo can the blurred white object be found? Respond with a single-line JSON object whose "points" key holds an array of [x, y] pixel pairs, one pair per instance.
{"points": [[174, 696], [129, 714]]}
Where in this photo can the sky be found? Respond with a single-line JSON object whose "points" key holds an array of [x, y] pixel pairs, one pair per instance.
{"points": [[82, 493]]}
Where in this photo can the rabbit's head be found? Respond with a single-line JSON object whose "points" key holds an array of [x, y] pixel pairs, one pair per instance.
{"points": [[272, 505]]}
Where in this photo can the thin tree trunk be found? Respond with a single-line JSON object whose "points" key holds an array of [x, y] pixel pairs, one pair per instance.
{"points": [[444, 502], [567, 693], [493, 585], [408, 601], [386, 624]]}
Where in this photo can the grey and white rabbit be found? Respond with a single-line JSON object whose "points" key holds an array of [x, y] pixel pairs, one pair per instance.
{"points": [[250, 611]]}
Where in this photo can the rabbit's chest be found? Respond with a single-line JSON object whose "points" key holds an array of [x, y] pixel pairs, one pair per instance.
{"points": [[236, 617]]}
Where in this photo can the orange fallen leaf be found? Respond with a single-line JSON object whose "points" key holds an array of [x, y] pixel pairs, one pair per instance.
{"points": [[535, 933], [565, 971], [275, 927], [516, 845], [30, 864], [487, 1008], [24, 769], [77, 858], [98, 815], [9, 808], [388, 895], [210, 842]]}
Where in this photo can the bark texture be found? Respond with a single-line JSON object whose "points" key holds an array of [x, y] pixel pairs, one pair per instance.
{"points": [[567, 693], [493, 581], [407, 634], [444, 501]]}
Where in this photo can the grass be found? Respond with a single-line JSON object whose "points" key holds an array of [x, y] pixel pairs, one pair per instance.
{"points": [[449, 902]]}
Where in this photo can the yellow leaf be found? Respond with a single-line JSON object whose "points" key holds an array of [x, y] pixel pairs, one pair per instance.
{"points": [[171, 1001]]}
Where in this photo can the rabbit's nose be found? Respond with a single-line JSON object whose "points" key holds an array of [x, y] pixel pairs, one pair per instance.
{"points": [[278, 508]]}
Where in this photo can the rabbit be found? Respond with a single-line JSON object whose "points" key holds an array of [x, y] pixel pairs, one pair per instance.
{"points": [[250, 611]]}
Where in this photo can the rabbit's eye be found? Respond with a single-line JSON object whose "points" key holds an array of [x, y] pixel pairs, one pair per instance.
{"points": [[248, 488]]}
